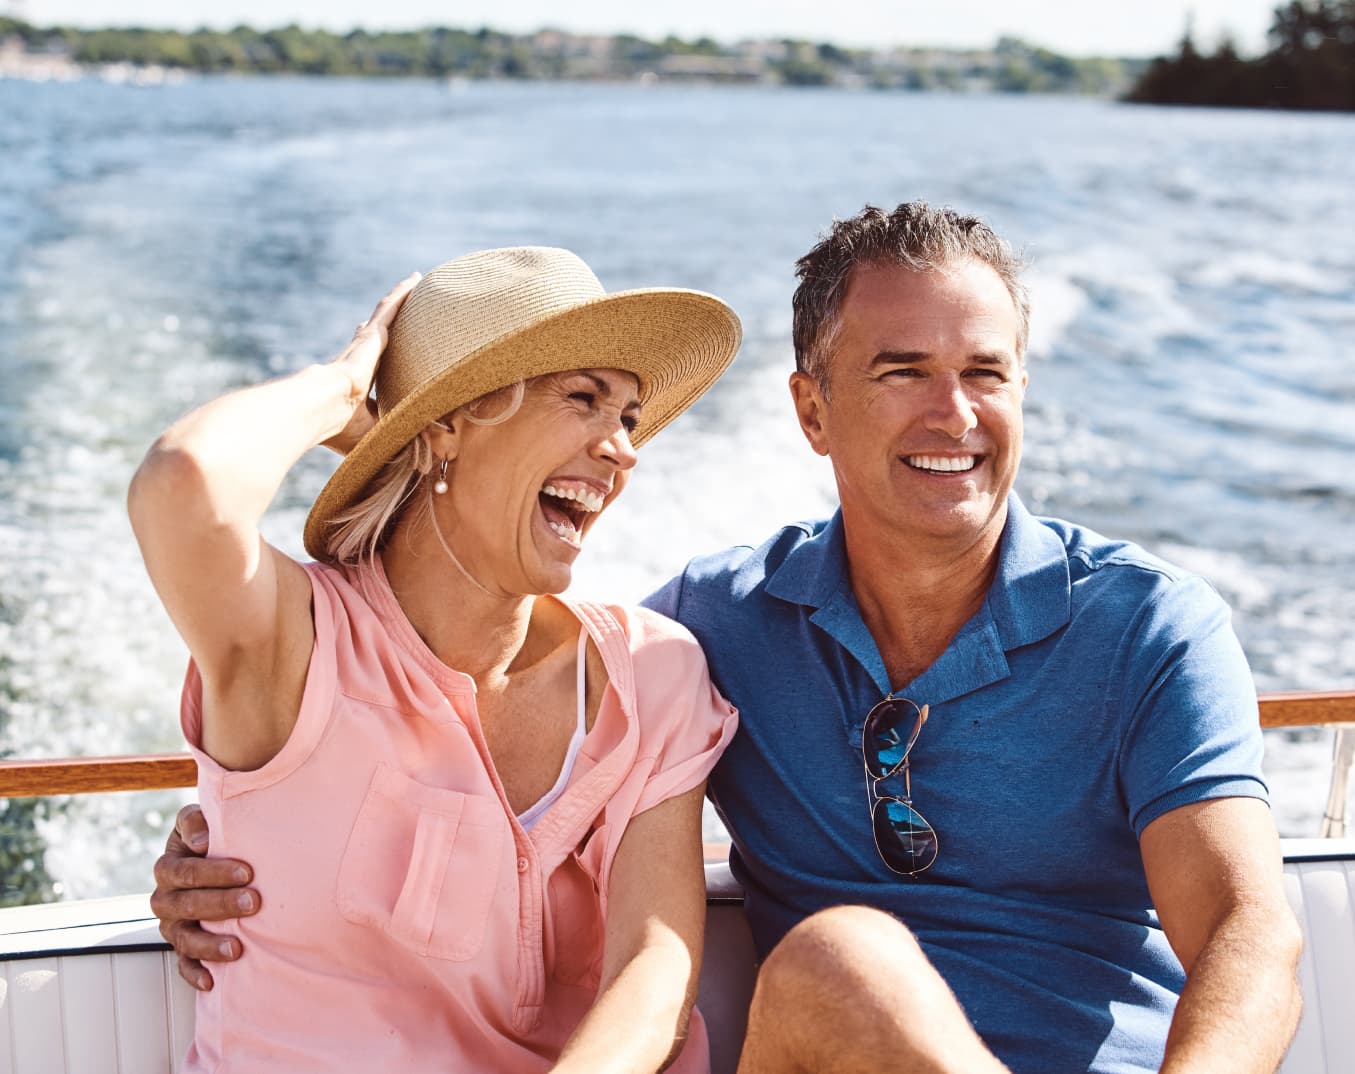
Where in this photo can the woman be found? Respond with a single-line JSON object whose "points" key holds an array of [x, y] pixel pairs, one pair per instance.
{"points": [[472, 807]]}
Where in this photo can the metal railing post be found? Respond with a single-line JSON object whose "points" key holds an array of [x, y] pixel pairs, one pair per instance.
{"points": [[1336, 819]]}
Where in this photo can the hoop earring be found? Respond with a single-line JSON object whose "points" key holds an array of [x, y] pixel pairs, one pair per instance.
{"points": [[440, 485]]}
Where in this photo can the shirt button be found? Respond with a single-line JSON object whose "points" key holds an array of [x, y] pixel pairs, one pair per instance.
{"points": [[522, 865]]}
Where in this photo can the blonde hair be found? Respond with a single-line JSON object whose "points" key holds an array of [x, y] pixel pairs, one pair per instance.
{"points": [[364, 528]]}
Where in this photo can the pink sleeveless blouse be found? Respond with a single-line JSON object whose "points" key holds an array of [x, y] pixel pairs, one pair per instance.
{"points": [[409, 923]]}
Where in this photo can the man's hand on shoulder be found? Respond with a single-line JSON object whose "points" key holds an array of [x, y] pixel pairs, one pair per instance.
{"points": [[191, 888]]}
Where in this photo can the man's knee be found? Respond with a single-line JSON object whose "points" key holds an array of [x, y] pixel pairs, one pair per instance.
{"points": [[828, 999], [845, 955]]}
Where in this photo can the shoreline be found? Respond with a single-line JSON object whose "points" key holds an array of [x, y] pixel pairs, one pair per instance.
{"points": [[1011, 65]]}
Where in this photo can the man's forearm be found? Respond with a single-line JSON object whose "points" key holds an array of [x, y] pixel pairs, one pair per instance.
{"points": [[1241, 1003]]}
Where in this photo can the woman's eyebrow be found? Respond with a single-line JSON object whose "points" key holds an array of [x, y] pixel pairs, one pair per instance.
{"points": [[604, 388]]}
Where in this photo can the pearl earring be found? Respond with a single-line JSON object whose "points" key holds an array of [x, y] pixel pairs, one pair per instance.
{"points": [[440, 485]]}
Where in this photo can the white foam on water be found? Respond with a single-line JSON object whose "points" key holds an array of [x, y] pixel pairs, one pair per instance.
{"points": [[1131, 289], [95, 661], [1259, 268], [1056, 302], [1229, 573]]}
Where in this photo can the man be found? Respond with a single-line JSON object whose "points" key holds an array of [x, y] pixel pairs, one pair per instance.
{"points": [[1083, 733]]}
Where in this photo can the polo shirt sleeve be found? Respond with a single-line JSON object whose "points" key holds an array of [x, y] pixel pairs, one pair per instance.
{"points": [[685, 722], [1191, 728], [666, 598]]}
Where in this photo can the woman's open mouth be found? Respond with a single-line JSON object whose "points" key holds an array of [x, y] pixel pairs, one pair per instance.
{"points": [[567, 505]]}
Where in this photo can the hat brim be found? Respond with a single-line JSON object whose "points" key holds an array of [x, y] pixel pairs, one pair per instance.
{"points": [[676, 342]]}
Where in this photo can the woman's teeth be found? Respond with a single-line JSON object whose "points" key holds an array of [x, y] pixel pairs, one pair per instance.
{"points": [[567, 505], [585, 498], [567, 532]]}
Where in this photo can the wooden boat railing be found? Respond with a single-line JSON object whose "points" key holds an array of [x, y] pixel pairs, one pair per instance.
{"points": [[93, 775]]}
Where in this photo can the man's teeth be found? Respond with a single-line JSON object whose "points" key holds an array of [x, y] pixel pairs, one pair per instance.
{"points": [[948, 464], [568, 532], [589, 501]]}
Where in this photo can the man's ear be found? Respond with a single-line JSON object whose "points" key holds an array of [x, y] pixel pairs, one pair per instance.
{"points": [[812, 410]]}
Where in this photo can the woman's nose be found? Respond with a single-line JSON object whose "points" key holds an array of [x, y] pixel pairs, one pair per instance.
{"points": [[617, 448]]}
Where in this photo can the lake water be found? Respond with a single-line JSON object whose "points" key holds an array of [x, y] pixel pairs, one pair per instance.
{"points": [[1192, 355]]}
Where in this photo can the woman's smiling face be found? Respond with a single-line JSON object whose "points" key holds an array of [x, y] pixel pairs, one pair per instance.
{"points": [[523, 494]]}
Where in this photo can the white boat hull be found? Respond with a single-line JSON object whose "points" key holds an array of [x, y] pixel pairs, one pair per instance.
{"points": [[90, 988]]}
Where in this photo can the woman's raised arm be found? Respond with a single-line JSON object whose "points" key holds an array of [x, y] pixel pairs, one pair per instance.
{"points": [[195, 503]]}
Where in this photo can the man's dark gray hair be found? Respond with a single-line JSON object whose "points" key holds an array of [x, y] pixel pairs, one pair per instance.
{"points": [[913, 236]]}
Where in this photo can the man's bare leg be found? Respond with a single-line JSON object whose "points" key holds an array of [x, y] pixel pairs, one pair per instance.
{"points": [[850, 990]]}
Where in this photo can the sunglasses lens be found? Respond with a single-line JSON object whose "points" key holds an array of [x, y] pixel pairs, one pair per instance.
{"points": [[891, 729], [906, 842]]}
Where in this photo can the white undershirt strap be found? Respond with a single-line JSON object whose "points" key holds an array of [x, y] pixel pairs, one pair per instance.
{"points": [[533, 813]]}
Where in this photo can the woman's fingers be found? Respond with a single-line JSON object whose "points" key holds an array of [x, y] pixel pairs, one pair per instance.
{"points": [[361, 355], [389, 306], [359, 361]]}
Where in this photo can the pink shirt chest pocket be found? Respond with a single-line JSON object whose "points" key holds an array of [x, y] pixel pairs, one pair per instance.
{"points": [[422, 865]]}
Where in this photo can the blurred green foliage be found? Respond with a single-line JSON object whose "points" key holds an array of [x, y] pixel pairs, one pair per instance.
{"points": [[441, 52], [23, 877]]}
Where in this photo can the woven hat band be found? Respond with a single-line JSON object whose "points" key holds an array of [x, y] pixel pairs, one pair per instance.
{"points": [[465, 305]]}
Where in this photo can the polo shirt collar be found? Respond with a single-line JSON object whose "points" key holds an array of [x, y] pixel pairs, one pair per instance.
{"points": [[1030, 599], [1032, 594], [815, 569], [814, 574]]}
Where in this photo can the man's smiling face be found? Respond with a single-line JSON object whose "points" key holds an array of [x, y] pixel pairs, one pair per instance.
{"points": [[922, 414]]}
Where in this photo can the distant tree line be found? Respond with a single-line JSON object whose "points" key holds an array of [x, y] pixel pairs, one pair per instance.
{"points": [[1013, 66], [245, 50], [1310, 65]]}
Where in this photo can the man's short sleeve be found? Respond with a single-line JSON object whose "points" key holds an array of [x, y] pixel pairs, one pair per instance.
{"points": [[1191, 731], [665, 599]]}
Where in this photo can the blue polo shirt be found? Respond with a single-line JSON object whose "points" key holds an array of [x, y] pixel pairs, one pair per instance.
{"points": [[1096, 689]]}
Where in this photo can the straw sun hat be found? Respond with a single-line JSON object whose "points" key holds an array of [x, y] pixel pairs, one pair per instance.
{"points": [[492, 318]]}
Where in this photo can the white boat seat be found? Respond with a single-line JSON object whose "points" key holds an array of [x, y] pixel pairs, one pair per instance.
{"points": [[90, 988], [1319, 879]]}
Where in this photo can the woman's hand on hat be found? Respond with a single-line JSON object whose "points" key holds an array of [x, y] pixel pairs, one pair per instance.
{"points": [[359, 360]]}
